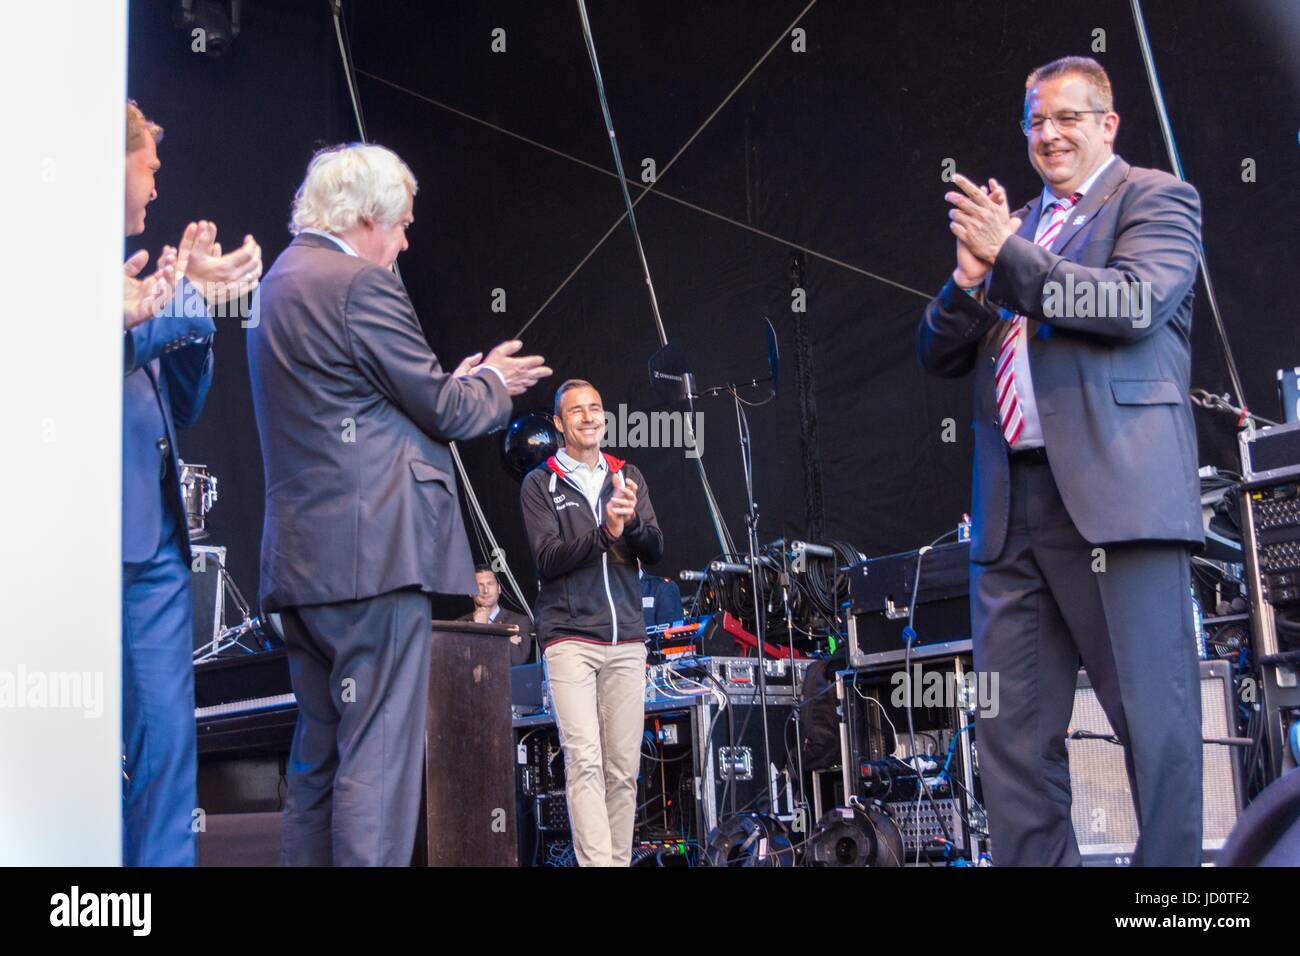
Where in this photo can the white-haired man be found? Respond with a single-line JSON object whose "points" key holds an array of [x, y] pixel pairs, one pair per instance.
{"points": [[362, 523]]}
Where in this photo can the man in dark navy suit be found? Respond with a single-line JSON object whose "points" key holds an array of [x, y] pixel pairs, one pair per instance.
{"points": [[1075, 314], [661, 599], [168, 368]]}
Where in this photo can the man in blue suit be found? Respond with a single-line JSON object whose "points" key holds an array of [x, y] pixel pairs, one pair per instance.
{"points": [[168, 369], [1074, 313], [661, 599]]}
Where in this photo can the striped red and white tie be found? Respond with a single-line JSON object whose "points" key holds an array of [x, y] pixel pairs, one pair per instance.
{"points": [[1004, 375]]}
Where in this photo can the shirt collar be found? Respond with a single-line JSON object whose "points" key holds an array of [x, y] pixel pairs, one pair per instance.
{"points": [[332, 238], [1049, 198], [569, 463]]}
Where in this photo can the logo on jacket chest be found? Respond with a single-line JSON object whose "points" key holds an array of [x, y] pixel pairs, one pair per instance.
{"points": [[562, 502]]}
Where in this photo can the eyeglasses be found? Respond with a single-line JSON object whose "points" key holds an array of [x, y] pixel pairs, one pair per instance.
{"points": [[1065, 119]]}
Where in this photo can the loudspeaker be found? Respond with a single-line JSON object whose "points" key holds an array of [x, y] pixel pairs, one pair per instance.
{"points": [[1104, 822]]}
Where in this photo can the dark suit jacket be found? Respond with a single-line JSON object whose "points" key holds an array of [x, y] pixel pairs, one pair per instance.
{"points": [[168, 366], [1111, 392], [519, 653], [665, 599], [354, 414]]}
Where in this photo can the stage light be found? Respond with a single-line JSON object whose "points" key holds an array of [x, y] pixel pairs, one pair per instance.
{"points": [[212, 28]]}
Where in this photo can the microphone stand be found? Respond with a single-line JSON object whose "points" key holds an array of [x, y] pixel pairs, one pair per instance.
{"points": [[755, 584]]}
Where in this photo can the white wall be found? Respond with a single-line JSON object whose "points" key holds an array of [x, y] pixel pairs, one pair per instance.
{"points": [[63, 72]]}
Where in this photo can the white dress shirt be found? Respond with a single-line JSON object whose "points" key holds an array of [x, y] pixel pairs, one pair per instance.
{"points": [[1031, 435], [589, 479]]}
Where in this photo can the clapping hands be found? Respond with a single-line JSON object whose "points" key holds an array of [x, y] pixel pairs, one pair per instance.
{"points": [[982, 221], [622, 507], [218, 278], [142, 299]]}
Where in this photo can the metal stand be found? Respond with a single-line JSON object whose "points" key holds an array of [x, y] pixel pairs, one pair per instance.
{"points": [[796, 686], [760, 624], [228, 637]]}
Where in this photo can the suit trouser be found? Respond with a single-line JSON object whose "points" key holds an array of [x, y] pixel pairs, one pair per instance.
{"points": [[360, 672], [158, 795], [598, 693], [1039, 609]]}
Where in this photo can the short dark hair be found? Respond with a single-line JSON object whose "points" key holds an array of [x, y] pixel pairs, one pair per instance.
{"points": [[566, 386], [484, 566], [1084, 66]]}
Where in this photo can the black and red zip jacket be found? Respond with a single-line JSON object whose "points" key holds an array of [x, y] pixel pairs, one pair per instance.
{"points": [[589, 586]]}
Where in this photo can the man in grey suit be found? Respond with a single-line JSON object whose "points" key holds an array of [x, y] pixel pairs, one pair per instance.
{"points": [[362, 523], [1075, 315]]}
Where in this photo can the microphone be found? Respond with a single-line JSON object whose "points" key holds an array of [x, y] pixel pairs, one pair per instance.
{"points": [[813, 550]]}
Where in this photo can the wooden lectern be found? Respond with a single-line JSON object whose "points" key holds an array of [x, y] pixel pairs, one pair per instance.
{"points": [[469, 753]]}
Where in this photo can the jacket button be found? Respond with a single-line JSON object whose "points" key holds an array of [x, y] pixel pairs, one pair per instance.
{"points": [[163, 445]]}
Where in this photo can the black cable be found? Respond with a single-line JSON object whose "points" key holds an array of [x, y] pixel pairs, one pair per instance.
{"points": [[349, 69], [910, 636], [731, 737]]}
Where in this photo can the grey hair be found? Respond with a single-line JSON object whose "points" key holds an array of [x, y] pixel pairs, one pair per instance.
{"points": [[351, 184]]}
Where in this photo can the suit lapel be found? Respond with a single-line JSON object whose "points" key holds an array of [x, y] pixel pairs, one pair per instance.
{"points": [[1028, 216], [1091, 204]]}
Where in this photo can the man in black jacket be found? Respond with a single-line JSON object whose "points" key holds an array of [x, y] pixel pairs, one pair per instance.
{"points": [[589, 519]]}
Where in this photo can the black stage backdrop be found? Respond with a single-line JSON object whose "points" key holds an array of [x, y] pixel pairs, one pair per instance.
{"points": [[823, 169]]}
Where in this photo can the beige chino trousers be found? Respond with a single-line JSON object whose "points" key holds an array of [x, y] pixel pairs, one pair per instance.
{"points": [[598, 696]]}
